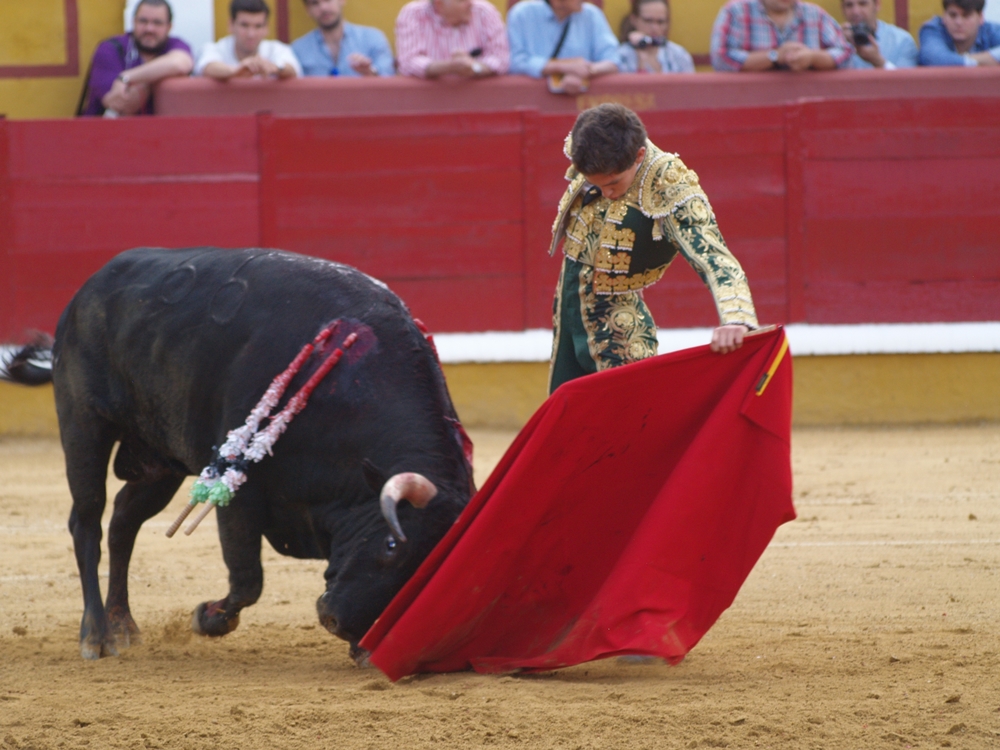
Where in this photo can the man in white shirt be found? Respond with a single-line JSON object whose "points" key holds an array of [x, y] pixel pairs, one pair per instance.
{"points": [[245, 52]]}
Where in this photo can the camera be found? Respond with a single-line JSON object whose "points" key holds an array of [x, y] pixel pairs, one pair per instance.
{"points": [[649, 41], [862, 34]]}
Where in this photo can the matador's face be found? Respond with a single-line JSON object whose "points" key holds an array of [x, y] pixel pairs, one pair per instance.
{"points": [[614, 186]]}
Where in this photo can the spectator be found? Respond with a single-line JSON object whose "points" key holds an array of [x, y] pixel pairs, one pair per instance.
{"points": [[646, 47], [464, 38], [877, 44], [125, 68], [245, 52], [752, 35], [960, 37], [340, 48], [569, 41]]}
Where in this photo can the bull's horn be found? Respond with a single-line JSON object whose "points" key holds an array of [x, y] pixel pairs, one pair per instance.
{"points": [[419, 490]]}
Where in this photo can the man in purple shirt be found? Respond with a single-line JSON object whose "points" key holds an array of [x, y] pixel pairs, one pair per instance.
{"points": [[125, 68]]}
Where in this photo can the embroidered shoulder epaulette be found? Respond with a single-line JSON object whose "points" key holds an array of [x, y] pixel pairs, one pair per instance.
{"points": [[576, 183], [666, 184]]}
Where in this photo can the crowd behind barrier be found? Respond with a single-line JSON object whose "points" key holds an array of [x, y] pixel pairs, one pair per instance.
{"points": [[568, 43]]}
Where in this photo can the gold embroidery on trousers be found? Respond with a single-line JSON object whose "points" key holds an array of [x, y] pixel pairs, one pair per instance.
{"points": [[619, 329]]}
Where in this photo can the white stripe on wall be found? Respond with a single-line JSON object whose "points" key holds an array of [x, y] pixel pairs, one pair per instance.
{"points": [[535, 345], [871, 338]]}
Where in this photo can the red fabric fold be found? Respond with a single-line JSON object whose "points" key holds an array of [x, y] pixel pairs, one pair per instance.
{"points": [[622, 520]]}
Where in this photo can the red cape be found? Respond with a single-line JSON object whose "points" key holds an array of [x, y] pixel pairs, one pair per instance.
{"points": [[623, 519]]}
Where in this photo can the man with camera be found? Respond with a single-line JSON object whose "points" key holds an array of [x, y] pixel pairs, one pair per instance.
{"points": [[877, 44], [646, 47]]}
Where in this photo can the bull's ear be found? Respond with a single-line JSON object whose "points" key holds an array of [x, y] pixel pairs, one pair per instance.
{"points": [[374, 476]]}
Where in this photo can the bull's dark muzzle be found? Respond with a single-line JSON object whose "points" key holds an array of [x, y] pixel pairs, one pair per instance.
{"points": [[328, 619]]}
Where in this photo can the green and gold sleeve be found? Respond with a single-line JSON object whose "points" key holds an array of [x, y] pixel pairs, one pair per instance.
{"points": [[692, 227]]}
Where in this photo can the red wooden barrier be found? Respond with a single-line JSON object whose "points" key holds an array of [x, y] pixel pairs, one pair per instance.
{"points": [[899, 214], [6, 276], [431, 204], [82, 191], [841, 212]]}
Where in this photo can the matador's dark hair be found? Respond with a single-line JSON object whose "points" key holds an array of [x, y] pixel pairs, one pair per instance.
{"points": [[607, 139], [248, 6], [974, 6]]}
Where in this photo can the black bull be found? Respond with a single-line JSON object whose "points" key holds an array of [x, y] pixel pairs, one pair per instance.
{"points": [[165, 351]]}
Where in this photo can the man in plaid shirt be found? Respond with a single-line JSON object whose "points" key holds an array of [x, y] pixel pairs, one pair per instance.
{"points": [[756, 35]]}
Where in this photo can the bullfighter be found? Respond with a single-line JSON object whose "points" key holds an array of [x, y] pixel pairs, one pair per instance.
{"points": [[630, 208]]}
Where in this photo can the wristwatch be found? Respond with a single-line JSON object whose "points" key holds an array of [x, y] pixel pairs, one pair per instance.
{"points": [[124, 78], [773, 57], [478, 68]]}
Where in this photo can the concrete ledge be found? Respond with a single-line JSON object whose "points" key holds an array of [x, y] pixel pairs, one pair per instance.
{"points": [[829, 390], [325, 96], [535, 345]]}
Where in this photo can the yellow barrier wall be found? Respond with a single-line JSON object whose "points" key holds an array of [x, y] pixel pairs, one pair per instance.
{"points": [[868, 389], [27, 411], [32, 34], [864, 389]]}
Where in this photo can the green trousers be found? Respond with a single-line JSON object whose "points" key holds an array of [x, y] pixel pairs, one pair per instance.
{"points": [[593, 333]]}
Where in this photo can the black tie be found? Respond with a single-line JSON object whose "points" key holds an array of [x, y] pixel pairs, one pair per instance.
{"points": [[591, 195]]}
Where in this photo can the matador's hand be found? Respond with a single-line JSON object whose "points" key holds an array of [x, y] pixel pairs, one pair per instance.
{"points": [[729, 338]]}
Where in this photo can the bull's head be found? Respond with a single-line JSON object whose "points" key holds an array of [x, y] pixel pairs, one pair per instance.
{"points": [[361, 583]]}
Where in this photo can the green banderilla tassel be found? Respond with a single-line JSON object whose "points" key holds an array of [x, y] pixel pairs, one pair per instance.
{"points": [[220, 495], [200, 491]]}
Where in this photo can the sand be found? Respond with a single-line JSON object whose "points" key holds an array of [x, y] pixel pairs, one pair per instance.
{"points": [[870, 622]]}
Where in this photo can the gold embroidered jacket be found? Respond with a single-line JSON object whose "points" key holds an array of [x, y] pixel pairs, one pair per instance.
{"points": [[631, 241]]}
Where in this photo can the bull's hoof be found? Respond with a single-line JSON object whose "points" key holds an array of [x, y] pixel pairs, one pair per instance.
{"points": [[92, 650], [361, 656], [123, 628], [210, 619], [96, 638]]}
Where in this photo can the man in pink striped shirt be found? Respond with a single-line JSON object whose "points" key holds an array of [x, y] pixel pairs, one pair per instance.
{"points": [[451, 37]]}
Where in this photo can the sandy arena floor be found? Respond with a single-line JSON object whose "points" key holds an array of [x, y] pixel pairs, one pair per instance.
{"points": [[871, 622]]}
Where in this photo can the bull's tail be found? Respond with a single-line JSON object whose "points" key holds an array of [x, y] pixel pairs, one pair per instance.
{"points": [[28, 365]]}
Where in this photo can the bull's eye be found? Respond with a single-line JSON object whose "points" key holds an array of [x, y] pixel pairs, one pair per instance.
{"points": [[390, 545]]}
